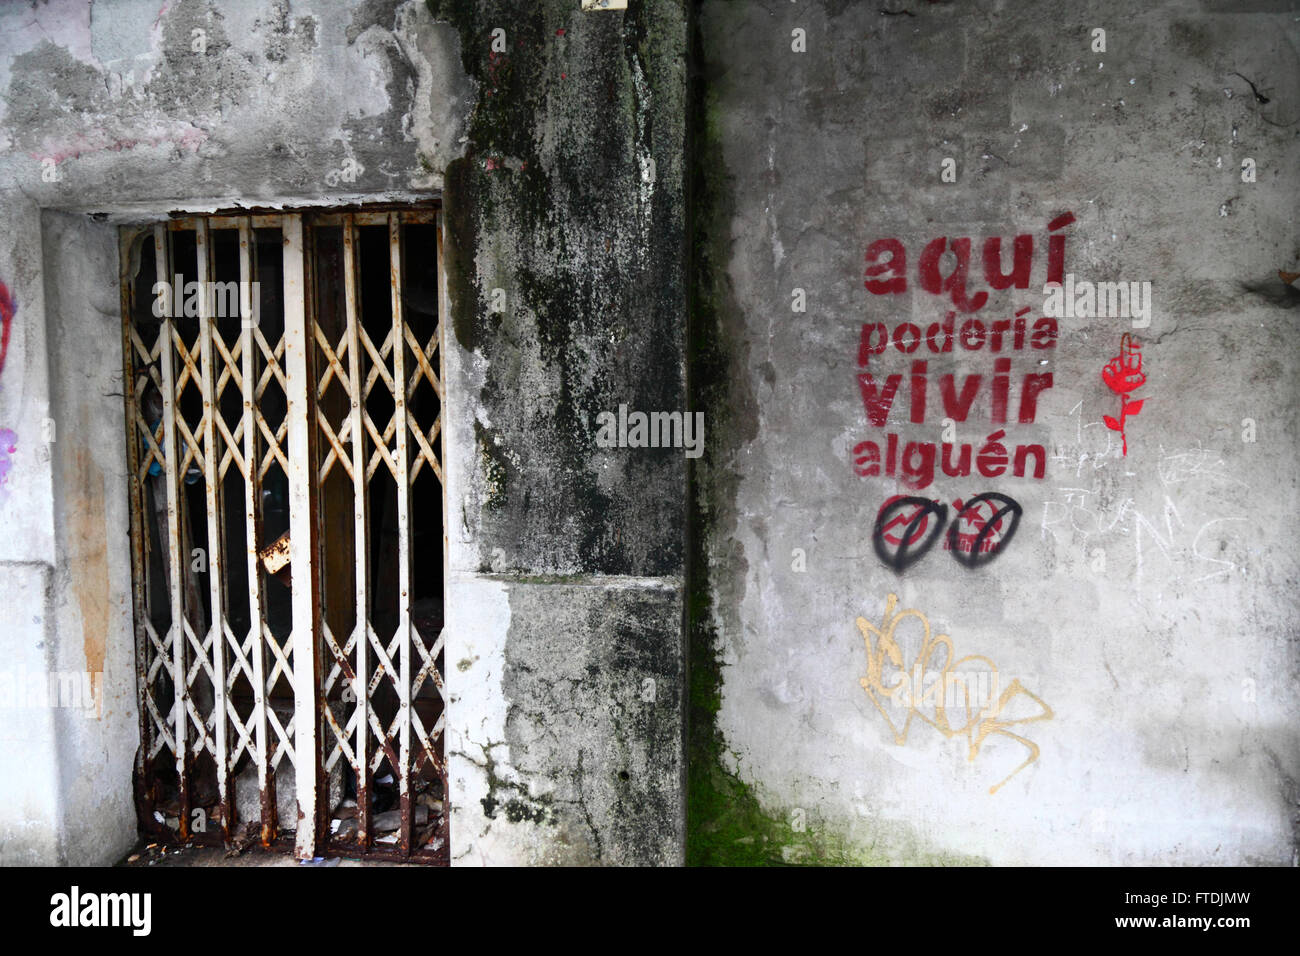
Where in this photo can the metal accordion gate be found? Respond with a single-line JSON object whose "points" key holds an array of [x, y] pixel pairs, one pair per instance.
{"points": [[284, 394]]}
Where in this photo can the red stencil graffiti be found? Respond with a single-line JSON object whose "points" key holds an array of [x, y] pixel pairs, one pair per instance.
{"points": [[970, 523], [910, 523], [907, 526], [1123, 374], [7, 309]]}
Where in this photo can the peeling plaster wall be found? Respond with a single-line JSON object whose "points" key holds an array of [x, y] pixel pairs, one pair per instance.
{"points": [[1149, 599], [113, 110], [1144, 600], [565, 640], [566, 560], [566, 741], [92, 628]]}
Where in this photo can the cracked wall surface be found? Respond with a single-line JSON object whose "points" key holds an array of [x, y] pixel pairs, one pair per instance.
{"points": [[1146, 598], [567, 740], [568, 296], [559, 158], [127, 111], [623, 231]]}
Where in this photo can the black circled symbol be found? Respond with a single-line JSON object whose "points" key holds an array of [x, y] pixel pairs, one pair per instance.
{"points": [[904, 555], [977, 557]]}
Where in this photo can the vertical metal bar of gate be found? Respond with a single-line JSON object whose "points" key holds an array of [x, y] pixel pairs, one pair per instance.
{"points": [[302, 538], [361, 520], [139, 607], [213, 447], [403, 482], [216, 549], [172, 454], [252, 527], [439, 331]]}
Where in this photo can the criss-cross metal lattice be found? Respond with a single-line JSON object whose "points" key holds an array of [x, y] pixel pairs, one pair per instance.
{"points": [[196, 410], [218, 419], [403, 665]]}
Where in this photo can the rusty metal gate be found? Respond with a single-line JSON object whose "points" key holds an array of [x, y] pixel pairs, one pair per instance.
{"points": [[284, 396]]}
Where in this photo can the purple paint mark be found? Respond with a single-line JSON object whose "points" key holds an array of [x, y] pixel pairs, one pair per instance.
{"points": [[8, 445], [8, 440]]}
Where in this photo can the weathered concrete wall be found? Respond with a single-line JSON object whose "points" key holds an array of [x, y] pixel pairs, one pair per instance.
{"points": [[91, 626], [124, 111], [1146, 600], [568, 293], [565, 646], [1142, 603]]}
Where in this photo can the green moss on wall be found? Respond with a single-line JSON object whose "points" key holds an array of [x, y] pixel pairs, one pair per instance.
{"points": [[494, 468], [728, 822], [725, 823], [548, 205]]}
